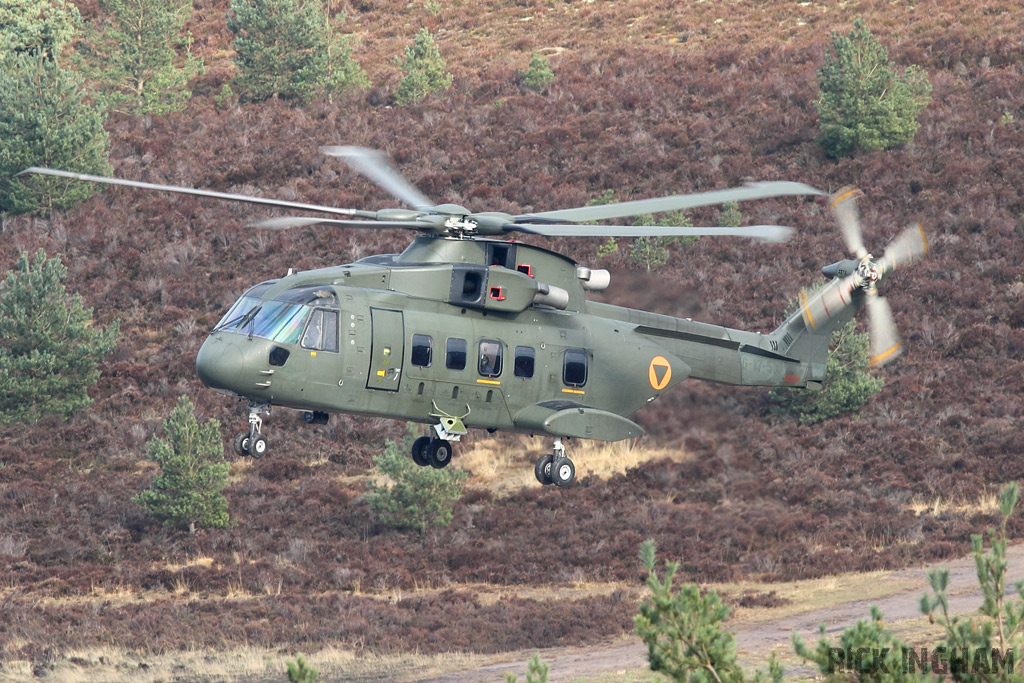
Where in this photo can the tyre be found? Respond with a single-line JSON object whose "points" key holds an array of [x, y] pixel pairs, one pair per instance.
{"points": [[563, 472], [258, 446], [241, 444], [419, 451], [439, 453], [542, 470]]}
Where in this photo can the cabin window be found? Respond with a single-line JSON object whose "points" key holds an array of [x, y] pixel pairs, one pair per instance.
{"points": [[422, 350], [524, 362], [322, 331], [490, 358], [455, 354], [574, 369]]}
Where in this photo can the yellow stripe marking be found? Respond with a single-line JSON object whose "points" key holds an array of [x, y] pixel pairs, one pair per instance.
{"points": [[924, 238], [807, 309], [882, 356], [573, 391], [844, 196], [489, 381]]}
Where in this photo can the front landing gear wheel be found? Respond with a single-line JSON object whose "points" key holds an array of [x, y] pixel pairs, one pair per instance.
{"points": [[258, 446], [241, 444], [419, 451], [439, 453], [542, 470], [563, 472]]}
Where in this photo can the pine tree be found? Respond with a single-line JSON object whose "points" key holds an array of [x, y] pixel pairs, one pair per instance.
{"points": [[848, 384], [189, 491], [683, 630], [424, 70], [864, 102], [538, 76], [47, 120], [50, 350], [413, 497], [40, 26], [290, 49], [133, 55]]}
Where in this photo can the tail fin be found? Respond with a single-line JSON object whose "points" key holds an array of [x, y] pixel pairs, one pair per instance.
{"points": [[805, 334]]}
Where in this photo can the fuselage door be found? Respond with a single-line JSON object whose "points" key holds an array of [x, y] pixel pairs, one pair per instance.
{"points": [[387, 349]]}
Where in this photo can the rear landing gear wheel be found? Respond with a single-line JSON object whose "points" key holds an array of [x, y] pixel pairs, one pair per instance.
{"points": [[542, 470], [563, 472], [419, 451], [258, 446], [241, 444], [439, 453]]}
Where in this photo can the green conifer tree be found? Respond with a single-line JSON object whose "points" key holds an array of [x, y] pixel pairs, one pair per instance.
{"points": [[300, 671], [424, 70], [47, 120], [290, 49], [864, 102], [133, 55], [189, 491], [40, 26], [50, 350], [413, 497], [848, 384], [683, 630], [538, 75]]}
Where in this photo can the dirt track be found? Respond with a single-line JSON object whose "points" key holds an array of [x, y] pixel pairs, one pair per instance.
{"points": [[755, 640]]}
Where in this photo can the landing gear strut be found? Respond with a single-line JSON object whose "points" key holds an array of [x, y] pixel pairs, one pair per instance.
{"points": [[555, 468], [252, 442]]}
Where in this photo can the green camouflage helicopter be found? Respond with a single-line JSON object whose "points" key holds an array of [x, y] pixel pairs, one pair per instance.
{"points": [[463, 330]]}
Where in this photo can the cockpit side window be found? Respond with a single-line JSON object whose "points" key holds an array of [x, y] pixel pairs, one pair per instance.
{"points": [[322, 331]]}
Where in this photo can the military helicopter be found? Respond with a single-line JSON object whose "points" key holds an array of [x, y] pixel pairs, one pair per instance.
{"points": [[465, 330]]}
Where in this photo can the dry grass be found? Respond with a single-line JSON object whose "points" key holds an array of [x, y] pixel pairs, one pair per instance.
{"points": [[505, 465], [242, 664], [986, 504]]}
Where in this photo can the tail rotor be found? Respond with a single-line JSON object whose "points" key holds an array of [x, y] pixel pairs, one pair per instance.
{"points": [[909, 246]]}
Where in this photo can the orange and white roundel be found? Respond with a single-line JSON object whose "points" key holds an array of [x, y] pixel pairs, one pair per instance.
{"points": [[659, 373]]}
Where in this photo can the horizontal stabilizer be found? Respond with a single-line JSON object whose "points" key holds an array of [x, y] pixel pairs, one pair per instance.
{"points": [[567, 418]]}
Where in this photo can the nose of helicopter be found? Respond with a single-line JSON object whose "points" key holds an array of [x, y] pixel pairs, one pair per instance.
{"points": [[220, 364]]}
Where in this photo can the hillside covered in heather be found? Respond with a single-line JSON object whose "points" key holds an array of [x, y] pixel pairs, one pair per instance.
{"points": [[650, 98]]}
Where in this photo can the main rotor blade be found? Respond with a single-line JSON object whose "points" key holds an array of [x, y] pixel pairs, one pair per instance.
{"points": [[885, 340], [374, 165], [844, 206], [201, 193], [769, 233], [288, 222], [905, 248], [674, 203]]}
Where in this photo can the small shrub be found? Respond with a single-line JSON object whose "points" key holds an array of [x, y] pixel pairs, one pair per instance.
{"points": [[424, 70], [864, 102], [848, 384], [301, 672], [413, 497], [536, 672], [189, 491], [538, 76], [1001, 624], [683, 629], [730, 217]]}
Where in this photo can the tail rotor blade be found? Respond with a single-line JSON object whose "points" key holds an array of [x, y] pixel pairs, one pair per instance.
{"points": [[374, 165], [885, 340], [844, 206], [907, 247]]}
